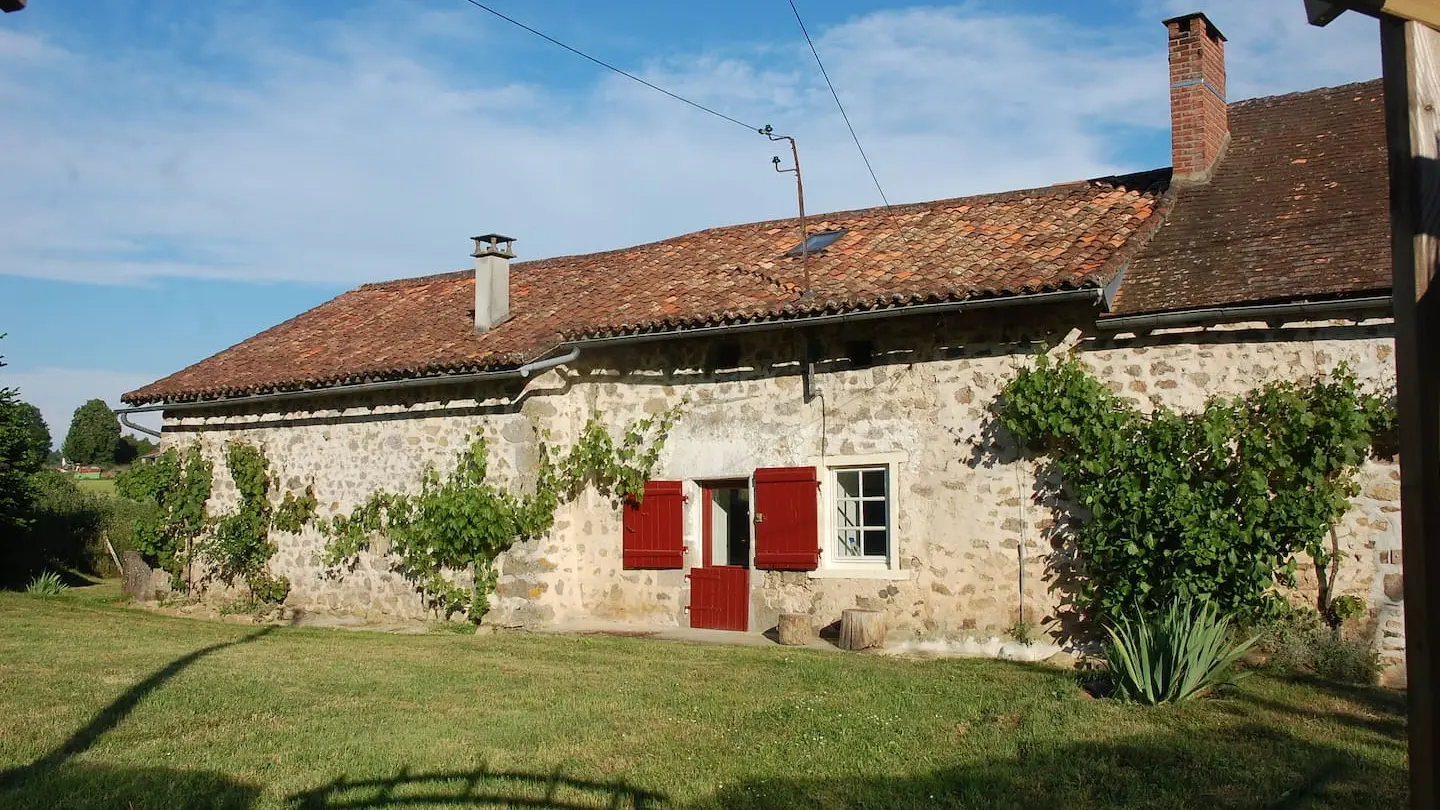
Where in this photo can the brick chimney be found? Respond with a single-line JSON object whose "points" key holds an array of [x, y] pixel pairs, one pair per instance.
{"points": [[1199, 117], [493, 253]]}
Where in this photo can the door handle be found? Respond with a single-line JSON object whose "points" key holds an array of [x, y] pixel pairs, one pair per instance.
{"points": [[759, 517]]}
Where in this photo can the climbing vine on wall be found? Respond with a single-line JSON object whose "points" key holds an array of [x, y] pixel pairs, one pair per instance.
{"points": [[465, 521], [235, 546], [1213, 504], [238, 545], [177, 485]]}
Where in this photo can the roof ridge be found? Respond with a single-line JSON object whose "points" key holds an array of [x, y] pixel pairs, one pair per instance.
{"points": [[1314, 91], [414, 281]]}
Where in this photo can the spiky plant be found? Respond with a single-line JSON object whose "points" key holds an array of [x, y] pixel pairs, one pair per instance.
{"points": [[1183, 652], [47, 584]]}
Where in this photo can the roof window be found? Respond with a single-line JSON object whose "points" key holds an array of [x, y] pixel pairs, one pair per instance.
{"points": [[816, 242]]}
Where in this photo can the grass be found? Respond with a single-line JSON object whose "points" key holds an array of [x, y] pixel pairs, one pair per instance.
{"points": [[98, 486], [104, 706]]}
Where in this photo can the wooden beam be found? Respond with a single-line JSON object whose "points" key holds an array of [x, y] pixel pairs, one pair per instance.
{"points": [[1323, 12], [1423, 11], [1410, 53]]}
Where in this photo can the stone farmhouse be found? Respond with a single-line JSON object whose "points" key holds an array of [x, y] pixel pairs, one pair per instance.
{"points": [[828, 457]]}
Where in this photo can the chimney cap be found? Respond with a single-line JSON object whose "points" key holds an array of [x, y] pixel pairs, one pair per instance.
{"points": [[494, 244], [1209, 26]]}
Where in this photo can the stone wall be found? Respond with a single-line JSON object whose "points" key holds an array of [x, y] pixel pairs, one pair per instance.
{"points": [[968, 527]]}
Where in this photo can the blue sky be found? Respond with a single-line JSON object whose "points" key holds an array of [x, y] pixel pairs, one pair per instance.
{"points": [[177, 176]]}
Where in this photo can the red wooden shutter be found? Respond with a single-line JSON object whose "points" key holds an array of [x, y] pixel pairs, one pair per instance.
{"points": [[654, 528], [787, 519]]}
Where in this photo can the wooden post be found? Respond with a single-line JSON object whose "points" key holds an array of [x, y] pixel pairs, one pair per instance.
{"points": [[119, 566], [861, 629], [1410, 53], [795, 629]]}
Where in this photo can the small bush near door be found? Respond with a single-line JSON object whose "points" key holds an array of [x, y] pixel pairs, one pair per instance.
{"points": [[1299, 642]]}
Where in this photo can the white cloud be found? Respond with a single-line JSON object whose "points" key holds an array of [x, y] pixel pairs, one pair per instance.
{"points": [[57, 392], [1272, 48], [345, 151]]}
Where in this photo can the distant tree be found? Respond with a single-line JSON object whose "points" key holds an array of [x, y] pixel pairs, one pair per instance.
{"points": [[133, 447], [94, 436], [36, 430]]}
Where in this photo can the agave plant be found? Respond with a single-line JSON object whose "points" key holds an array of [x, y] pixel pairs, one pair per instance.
{"points": [[46, 584], [1183, 652]]}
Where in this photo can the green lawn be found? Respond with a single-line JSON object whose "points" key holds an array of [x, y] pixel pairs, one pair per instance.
{"points": [[99, 486], [103, 706]]}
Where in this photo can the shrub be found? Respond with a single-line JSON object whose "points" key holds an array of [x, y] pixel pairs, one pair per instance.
{"points": [[1175, 655], [1300, 643], [69, 526], [66, 523], [47, 584], [1212, 505]]}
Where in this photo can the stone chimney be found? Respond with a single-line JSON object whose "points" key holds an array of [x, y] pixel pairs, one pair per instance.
{"points": [[493, 253], [1199, 117]]}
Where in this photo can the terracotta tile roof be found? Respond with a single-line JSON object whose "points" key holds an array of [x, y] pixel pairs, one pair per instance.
{"points": [[1062, 237], [1297, 209]]}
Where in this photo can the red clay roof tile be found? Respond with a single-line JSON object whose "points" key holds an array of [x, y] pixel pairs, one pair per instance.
{"points": [[1061, 237]]}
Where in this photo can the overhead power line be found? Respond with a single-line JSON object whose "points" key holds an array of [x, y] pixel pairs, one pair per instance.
{"points": [[836, 96], [608, 66]]}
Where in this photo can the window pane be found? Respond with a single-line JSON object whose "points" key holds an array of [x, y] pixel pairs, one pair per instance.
{"points": [[849, 513], [877, 543], [874, 483], [850, 544], [875, 515], [849, 481]]}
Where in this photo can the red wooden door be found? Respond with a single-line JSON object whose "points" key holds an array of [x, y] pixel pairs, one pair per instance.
{"points": [[720, 594], [720, 597]]}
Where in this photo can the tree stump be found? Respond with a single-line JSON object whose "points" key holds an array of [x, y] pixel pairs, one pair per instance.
{"points": [[795, 629], [862, 629]]}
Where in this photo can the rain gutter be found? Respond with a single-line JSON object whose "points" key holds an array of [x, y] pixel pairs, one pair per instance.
{"points": [[1301, 310], [575, 347]]}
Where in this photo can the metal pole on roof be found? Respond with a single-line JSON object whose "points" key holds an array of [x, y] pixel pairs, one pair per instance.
{"points": [[768, 132]]}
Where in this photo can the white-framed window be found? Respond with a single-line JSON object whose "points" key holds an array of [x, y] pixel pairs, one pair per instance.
{"points": [[861, 515]]}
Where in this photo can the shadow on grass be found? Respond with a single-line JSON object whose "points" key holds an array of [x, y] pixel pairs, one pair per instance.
{"points": [[54, 781], [98, 787], [478, 788], [1242, 768]]}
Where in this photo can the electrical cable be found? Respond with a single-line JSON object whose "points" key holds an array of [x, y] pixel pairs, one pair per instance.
{"points": [[836, 95], [611, 67]]}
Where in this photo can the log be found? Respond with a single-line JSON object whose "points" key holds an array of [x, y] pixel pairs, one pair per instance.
{"points": [[862, 629], [795, 629]]}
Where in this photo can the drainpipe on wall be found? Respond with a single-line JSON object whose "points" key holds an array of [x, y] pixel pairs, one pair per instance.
{"points": [[124, 416]]}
